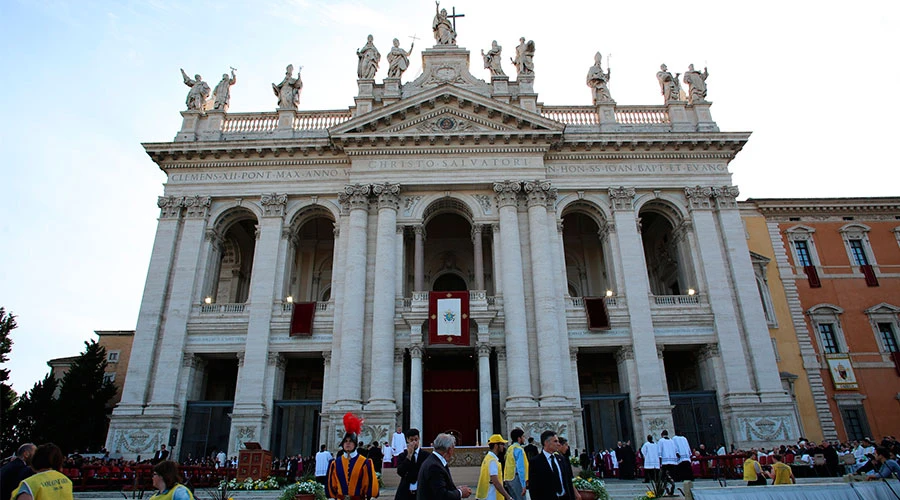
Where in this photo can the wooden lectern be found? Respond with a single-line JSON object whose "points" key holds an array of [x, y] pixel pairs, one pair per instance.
{"points": [[254, 462]]}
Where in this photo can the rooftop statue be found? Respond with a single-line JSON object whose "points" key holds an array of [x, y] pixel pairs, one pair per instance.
{"points": [[288, 91], [196, 98], [398, 59], [222, 92], [669, 85], [524, 55], [697, 84], [444, 34], [492, 59], [597, 80], [369, 57]]}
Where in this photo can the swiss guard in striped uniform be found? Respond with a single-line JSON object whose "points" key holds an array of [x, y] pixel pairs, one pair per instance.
{"points": [[351, 476]]}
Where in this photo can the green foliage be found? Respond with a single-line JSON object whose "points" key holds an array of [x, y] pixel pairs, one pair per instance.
{"points": [[37, 412], [586, 474], [8, 397], [308, 487], [83, 395]]}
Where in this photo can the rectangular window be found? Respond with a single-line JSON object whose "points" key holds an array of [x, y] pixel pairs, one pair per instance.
{"points": [[855, 422], [802, 253], [112, 357], [829, 339], [109, 377], [887, 337], [859, 255]]}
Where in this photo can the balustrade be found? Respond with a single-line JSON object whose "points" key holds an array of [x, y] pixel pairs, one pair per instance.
{"points": [[222, 308], [249, 122], [642, 115], [676, 300]]}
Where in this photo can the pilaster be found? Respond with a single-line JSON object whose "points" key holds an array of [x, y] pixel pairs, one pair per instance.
{"points": [[485, 410], [415, 382], [382, 386]]}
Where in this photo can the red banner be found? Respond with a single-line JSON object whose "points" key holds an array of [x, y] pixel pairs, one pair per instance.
{"points": [[302, 319], [448, 318], [597, 315]]}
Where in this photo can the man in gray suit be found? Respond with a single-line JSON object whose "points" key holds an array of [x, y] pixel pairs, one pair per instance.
{"points": [[435, 481]]}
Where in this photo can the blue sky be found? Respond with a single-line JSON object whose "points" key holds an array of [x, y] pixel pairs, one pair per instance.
{"points": [[86, 82]]}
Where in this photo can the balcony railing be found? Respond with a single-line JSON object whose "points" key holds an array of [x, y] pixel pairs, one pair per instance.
{"points": [[243, 123], [289, 306], [223, 308], [625, 115], [676, 300]]}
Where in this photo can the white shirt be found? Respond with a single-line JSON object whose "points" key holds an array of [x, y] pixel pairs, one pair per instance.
{"points": [[322, 459], [398, 442], [651, 455], [615, 460], [388, 453], [682, 448], [550, 460], [720, 451], [221, 458], [667, 451], [493, 470]]}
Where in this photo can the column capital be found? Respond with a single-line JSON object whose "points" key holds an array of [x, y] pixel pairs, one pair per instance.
{"points": [[214, 237], [605, 230], [683, 229], [416, 350], [573, 352], [276, 359], [388, 195], [191, 360], [419, 229], [398, 356], [240, 357], [537, 192], [622, 198], [477, 229], [483, 349], [326, 355], [401, 229], [495, 228], [501, 353], [337, 230], [196, 207], [560, 226], [624, 353], [699, 197], [660, 351], [355, 197], [507, 193], [708, 351], [169, 206], [726, 196], [273, 204]]}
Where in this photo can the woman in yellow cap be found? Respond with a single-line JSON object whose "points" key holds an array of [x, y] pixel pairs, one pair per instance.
{"points": [[489, 485]]}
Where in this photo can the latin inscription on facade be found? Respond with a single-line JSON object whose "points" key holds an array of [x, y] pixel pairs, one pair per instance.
{"points": [[259, 175], [448, 163], [638, 168]]}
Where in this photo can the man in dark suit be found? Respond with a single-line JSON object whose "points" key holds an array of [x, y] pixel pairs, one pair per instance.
{"points": [[15, 471], [434, 481], [547, 478], [161, 454], [409, 462]]}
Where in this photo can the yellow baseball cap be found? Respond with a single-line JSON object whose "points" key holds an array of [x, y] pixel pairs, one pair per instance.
{"points": [[496, 438]]}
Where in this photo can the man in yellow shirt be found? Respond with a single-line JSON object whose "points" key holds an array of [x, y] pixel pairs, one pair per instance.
{"points": [[752, 471], [489, 485], [46, 483], [782, 472], [515, 470]]}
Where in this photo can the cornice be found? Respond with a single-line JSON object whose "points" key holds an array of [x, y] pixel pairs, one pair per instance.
{"points": [[443, 151], [827, 206], [574, 156], [166, 165]]}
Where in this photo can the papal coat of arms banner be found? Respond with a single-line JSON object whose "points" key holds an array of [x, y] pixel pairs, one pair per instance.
{"points": [[842, 372], [448, 318]]}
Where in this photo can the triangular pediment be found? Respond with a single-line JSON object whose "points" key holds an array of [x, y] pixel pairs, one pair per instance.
{"points": [[444, 111]]}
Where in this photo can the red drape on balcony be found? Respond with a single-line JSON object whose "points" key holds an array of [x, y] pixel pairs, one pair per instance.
{"points": [[869, 273], [896, 357], [302, 319], [597, 315], [813, 276]]}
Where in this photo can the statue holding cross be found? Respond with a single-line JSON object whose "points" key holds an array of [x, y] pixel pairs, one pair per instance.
{"points": [[444, 29]]}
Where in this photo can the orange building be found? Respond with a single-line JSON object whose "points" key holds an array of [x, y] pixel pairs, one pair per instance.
{"points": [[839, 261], [118, 351]]}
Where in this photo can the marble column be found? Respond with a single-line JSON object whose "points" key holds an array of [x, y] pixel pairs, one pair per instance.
{"points": [[149, 322], [652, 398], [545, 306], [400, 278], [479, 256], [415, 386], [337, 298], [570, 375], [485, 408], [502, 383], [610, 243], [737, 387], [355, 200], [419, 258], [213, 258], [495, 259], [381, 393], [250, 401], [519, 379], [182, 297], [756, 330], [326, 376], [398, 381]]}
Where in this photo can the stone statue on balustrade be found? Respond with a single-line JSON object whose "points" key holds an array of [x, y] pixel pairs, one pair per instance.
{"points": [[696, 84], [288, 91], [669, 85], [196, 98], [444, 34], [524, 57], [369, 58], [398, 59], [222, 92], [492, 59], [598, 81]]}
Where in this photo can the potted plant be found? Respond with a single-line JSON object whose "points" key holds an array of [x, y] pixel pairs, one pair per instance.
{"points": [[589, 487], [303, 490]]}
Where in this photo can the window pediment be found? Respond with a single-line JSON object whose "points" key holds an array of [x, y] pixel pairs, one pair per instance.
{"points": [[883, 308], [827, 309]]}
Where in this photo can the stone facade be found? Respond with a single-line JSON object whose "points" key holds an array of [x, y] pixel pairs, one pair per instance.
{"points": [[449, 179]]}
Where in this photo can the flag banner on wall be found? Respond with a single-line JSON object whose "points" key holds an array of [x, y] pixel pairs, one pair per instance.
{"points": [[841, 372], [302, 319], [597, 315], [448, 318]]}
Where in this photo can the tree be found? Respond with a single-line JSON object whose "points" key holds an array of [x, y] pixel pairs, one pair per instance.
{"points": [[7, 394], [83, 395], [37, 412]]}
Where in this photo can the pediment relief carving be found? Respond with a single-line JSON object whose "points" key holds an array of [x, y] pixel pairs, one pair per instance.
{"points": [[448, 121]]}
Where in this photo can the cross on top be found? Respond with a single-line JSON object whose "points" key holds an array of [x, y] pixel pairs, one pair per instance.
{"points": [[454, 16]]}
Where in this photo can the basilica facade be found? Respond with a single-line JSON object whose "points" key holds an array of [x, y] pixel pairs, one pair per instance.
{"points": [[598, 253]]}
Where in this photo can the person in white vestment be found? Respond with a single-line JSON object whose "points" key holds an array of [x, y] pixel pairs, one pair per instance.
{"points": [[683, 449], [650, 452], [323, 457], [398, 443], [387, 455], [668, 455]]}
